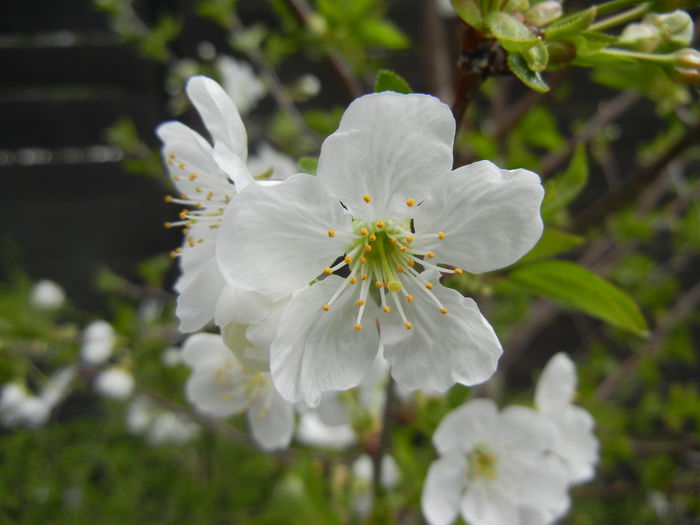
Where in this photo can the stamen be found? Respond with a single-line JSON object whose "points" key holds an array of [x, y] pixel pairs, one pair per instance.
{"points": [[328, 271], [363, 261], [331, 232], [326, 307], [353, 279], [364, 275], [458, 271], [372, 238], [409, 298], [368, 248], [379, 224], [443, 310], [193, 176], [441, 235], [367, 198], [429, 286], [409, 239], [410, 203], [408, 325], [358, 326], [360, 303], [430, 255], [387, 309], [364, 231], [379, 284], [347, 259]]}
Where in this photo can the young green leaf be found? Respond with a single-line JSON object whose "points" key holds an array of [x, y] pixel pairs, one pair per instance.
{"points": [[575, 287], [511, 33], [571, 25], [552, 242], [390, 81], [469, 11], [532, 79], [537, 57], [560, 191], [308, 165]]}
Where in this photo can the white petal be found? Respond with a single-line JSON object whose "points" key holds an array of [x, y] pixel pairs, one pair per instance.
{"points": [[272, 422], [312, 431], [196, 304], [441, 349], [490, 217], [316, 351], [275, 238], [557, 384], [219, 114], [466, 426], [262, 333], [250, 355], [201, 350], [535, 482], [442, 491], [234, 166], [526, 430], [390, 146], [578, 446], [490, 508], [192, 260], [216, 398], [242, 306]]}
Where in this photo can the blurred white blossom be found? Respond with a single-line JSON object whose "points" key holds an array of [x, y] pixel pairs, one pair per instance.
{"points": [[98, 342], [240, 82], [47, 295], [115, 383]]}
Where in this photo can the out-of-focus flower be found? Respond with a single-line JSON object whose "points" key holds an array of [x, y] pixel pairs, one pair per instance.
{"points": [[221, 386], [314, 432], [363, 472], [47, 295], [270, 163], [98, 342], [577, 447], [388, 208], [158, 426], [491, 467], [240, 82], [115, 383]]}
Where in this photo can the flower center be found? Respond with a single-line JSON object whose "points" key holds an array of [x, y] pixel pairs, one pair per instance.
{"points": [[482, 463], [381, 256], [251, 384]]}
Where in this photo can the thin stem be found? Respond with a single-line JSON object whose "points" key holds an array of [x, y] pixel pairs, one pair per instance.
{"points": [[621, 18], [666, 58], [384, 439], [614, 5]]}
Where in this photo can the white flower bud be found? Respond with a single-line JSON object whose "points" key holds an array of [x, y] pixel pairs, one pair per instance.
{"points": [[98, 340], [544, 12], [115, 383], [47, 295]]}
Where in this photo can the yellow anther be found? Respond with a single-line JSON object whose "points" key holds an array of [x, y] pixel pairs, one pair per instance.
{"points": [[368, 248], [168, 225], [430, 255], [410, 262], [379, 224], [443, 310], [198, 189], [400, 269], [410, 203], [378, 284], [170, 163], [184, 196], [387, 309], [198, 205], [190, 242], [358, 327], [394, 286], [185, 231], [213, 226], [168, 198], [328, 271], [394, 240], [441, 235], [171, 155], [184, 214], [367, 198], [372, 238], [429, 286], [331, 233], [403, 249], [210, 195], [181, 165], [363, 260], [175, 177], [363, 276], [458, 271], [200, 241], [409, 239], [347, 259], [360, 303], [326, 307], [364, 231], [353, 279], [408, 325], [193, 176], [409, 298]]}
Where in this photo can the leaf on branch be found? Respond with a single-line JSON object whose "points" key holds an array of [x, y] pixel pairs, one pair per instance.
{"points": [[575, 287], [390, 81], [537, 57], [562, 190], [511, 33], [532, 79], [571, 25], [469, 11]]}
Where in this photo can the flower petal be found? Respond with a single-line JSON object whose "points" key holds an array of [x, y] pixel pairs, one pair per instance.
{"points": [[250, 356], [219, 114], [441, 349], [242, 306], [233, 166], [200, 350], [316, 350], [271, 422], [490, 217], [489, 507], [442, 491], [557, 384], [466, 426], [389, 146], [275, 237], [196, 303]]}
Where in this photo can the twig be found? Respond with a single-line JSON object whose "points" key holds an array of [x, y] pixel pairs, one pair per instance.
{"points": [[629, 188], [342, 70], [680, 310]]}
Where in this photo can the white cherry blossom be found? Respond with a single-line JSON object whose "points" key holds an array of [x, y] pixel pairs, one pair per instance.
{"points": [[47, 295], [221, 386], [383, 218], [491, 469], [98, 342], [240, 82], [578, 447]]}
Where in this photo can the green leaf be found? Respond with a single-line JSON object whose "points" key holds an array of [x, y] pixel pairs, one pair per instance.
{"points": [[390, 81], [561, 190], [532, 79], [537, 56], [552, 242], [511, 33], [468, 10], [570, 25], [308, 165], [575, 287], [383, 34]]}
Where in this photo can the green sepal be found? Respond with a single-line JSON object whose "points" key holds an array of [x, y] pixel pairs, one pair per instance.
{"points": [[532, 79]]}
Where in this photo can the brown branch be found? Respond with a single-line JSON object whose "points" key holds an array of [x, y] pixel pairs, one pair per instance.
{"points": [[342, 70], [437, 57], [685, 305], [630, 188], [384, 439]]}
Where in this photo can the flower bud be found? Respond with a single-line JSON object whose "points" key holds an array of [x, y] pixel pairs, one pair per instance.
{"points": [[676, 28], [687, 63], [544, 12], [640, 37]]}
